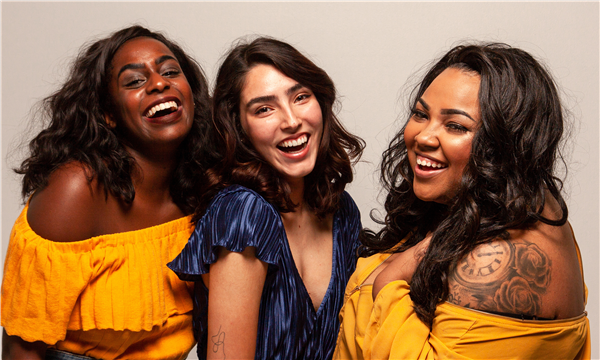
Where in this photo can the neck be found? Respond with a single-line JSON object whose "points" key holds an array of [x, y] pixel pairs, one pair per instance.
{"points": [[152, 177], [297, 192]]}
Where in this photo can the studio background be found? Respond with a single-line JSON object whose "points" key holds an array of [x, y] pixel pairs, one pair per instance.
{"points": [[370, 50]]}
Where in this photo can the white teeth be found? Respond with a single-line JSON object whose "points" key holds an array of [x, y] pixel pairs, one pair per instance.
{"points": [[163, 106], [429, 164], [291, 143]]}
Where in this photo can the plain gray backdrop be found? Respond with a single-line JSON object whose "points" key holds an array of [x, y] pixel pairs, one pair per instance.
{"points": [[369, 49]]}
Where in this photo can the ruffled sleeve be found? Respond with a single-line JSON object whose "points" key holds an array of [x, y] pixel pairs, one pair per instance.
{"points": [[51, 287], [236, 218]]}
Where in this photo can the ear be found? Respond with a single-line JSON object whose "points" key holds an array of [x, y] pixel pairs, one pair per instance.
{"points": [[110, 121]]}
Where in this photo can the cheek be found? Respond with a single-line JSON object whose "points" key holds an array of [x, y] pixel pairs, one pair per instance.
{"points": [[261, 133], [461, 151], [314, 115]]}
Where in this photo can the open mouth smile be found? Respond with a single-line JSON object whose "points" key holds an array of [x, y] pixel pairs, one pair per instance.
{"points": [[162, 109], [293, 146], [427, 164]]}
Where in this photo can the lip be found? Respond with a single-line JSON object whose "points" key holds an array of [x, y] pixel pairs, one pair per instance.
{"points": [[300, 154], [427, 172], [430, 158], [167, 118]]}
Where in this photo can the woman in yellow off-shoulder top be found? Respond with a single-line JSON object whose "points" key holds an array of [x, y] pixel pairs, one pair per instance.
{"points": [[476, 259], [111, 182]]}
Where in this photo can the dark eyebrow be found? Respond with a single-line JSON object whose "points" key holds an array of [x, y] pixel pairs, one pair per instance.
{"points": [[258, 99], [129, 66], [164, 58], [456, 112], [268, 98], [448, 111], [294, 89], [160, 60]]}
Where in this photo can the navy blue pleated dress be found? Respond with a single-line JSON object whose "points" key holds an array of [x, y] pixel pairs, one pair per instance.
{"points": [[288, 326]]}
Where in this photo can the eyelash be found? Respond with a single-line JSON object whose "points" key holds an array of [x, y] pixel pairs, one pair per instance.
{"points": [[133, 82], [457, 127], [260, 110], [167, 73], [418, 114], [302, 97], [172, 72]]}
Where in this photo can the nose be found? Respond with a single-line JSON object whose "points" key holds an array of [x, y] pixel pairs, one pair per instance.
{"points": [[290, 120], [428, 136], [157, 83]]}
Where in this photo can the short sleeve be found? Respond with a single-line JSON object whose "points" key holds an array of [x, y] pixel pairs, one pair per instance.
{"points": [[236, 219], [40, 286], [351, 227], [51, 287]]}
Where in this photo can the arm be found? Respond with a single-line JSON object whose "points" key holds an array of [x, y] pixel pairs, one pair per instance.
{"points": [[13, 347], [235, 289]]}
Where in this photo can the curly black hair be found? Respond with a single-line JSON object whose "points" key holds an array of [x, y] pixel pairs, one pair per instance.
{"points": [[76, 129], [504, 185]]}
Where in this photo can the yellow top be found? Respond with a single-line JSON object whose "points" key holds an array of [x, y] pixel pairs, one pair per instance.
{"points": [[389, 328], [109, 297]]}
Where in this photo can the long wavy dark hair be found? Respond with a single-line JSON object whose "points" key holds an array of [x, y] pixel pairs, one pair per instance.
{"points": [[77, 131], [504, 185], [237, 162]]}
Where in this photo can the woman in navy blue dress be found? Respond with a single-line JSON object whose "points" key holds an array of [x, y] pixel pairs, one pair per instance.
{"points": [[273, 250]]}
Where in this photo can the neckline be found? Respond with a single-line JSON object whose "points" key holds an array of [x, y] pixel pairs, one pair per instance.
{"points": [[137, 235], [497, 317], [334, 257]]}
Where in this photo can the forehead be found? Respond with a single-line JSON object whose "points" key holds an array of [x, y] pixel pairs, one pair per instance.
{"points": [[454, 88], [139, 50], [263, 79]]}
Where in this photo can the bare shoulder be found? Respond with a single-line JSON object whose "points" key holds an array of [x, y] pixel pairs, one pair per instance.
{"points": [[66, 208], [534, 273]]}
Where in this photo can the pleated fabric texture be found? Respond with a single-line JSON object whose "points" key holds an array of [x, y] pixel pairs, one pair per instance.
{"points": [[288, 327], [388, 328], [103, 297]]}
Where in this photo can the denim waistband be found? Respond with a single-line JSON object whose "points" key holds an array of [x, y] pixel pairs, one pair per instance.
{"points": [[53, 354]]}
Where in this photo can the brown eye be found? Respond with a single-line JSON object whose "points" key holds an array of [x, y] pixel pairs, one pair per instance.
{"points": [[171, 73], [302, 97], [457, 127], [261, 110], [134, 82], [419, 115]]}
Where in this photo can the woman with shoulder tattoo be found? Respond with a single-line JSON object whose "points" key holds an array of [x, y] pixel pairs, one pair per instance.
{"points": [[476, 258]]}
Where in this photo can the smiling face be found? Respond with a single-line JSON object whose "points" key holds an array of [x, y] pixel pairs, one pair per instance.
{"points": [[439, 134], [153, 102], [283, 121]]}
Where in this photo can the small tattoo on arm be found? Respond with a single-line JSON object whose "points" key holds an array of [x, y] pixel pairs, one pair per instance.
{"points": [[502, 276], [217, 341]]}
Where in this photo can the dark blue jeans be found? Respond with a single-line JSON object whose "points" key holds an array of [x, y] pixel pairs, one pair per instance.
{"points": [[53, 354]]}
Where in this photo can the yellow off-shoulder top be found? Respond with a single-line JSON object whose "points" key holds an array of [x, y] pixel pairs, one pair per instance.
{"points": [[108, 297], [388, 328]]}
